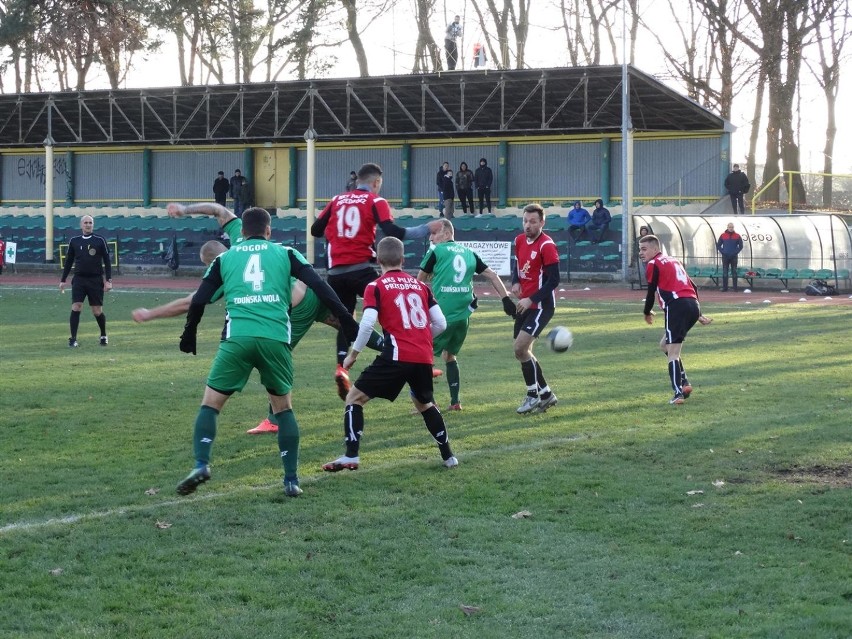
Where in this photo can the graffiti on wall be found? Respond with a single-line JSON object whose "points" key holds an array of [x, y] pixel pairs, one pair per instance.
{"points": [[33, 168]]}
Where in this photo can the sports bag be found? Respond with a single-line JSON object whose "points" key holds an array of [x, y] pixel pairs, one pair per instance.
{"points": [[820, 287]]}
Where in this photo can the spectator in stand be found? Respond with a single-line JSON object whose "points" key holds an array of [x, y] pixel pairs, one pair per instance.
{"points": [[449, 194], [737, 184], [239, 192], [578, 218], [221, 186], [483, 178], [439, 183], [352, 182], [599, 224], [729, 245], [454, 31], [464, 187]]}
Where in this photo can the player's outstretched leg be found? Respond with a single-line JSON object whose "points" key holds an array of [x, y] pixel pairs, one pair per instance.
{"points": [[437, 428], [353, 428], [203, 435]]}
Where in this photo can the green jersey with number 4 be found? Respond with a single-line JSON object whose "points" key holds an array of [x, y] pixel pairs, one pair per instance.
{"points": [[255, 275], [452, 267]]}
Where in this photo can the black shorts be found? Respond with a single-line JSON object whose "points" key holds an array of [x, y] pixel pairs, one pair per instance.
{"points": [[350, 286], [681, 315], [91, 286], [533, 321], [385, 378]]}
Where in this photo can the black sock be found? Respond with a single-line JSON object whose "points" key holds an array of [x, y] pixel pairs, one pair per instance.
{"points": [[539, 378], [101, 320], [342, 347], [528, 369], [436, 427], [674, 375], [353, 428], [75, 323]]}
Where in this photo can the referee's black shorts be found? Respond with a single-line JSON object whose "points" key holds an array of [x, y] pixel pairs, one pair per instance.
{"points": [[349, 286], [91, 286], [386, 378], [681, 315]]}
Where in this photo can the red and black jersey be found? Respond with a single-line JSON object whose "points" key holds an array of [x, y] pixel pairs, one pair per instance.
{"points": [[669, 278], [350, 228], [532, 257], [403, 304]]}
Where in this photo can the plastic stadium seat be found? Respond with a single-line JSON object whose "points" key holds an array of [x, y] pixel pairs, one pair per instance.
{"points": [[806, 273], [788, 274], [708, 271], [772, 273], [824, 274], [692, 271]]}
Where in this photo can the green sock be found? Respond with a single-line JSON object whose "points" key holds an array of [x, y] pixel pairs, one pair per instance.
{"points": [[270, 415], [204, 434], [453, 381], [376, 341], [288, 442]]}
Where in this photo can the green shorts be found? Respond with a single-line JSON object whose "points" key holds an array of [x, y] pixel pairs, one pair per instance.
{"points": [[451, 340], [238, 356], [302, 317]]}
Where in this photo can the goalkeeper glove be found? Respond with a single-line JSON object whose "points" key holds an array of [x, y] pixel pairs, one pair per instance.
{"points": [[508, 306], [187, 341]]}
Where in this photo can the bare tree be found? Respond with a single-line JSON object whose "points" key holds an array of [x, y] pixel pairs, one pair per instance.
{"points": [[427, 54], [495, 23], [832, 35], [586, 23]]}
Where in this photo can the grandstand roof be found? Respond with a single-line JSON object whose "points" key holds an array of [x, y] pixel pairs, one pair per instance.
{"points": [[439, 105]]}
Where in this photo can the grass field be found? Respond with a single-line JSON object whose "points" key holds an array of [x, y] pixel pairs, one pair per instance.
{"points": [[95, 543]]}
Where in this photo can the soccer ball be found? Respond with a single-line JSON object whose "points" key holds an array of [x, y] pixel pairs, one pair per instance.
{"points": [[560, 339]]}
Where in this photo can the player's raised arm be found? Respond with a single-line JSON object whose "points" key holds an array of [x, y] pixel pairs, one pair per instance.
{"points": [[222, 215]]}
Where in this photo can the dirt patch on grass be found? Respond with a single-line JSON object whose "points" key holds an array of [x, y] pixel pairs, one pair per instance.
{"points": [[834, 476]]}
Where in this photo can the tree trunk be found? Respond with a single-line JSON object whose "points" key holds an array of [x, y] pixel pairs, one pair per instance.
{"points": [[751, 161], [355, 37]]}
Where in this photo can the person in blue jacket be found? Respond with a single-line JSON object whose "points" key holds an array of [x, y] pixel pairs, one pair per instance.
{"points": [[578, 217], [729, 245]]}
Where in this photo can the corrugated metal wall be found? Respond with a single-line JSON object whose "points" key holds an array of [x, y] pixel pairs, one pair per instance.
{"points": [[114, 177], [189, 175], [426, 160], [555, 171], [22, 177], [671, 167], [334, 165]]}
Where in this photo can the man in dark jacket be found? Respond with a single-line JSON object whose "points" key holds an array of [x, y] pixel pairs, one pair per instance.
{"points": [[737, 185], [483, 179], [597, 227], [221, 186], [439, 182], [239, 192], [729, 245]]}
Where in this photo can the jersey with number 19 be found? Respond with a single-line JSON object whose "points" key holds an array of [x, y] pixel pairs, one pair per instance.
{"points": [[403, 304], [255, 275], [351, 227], [671, 279]]}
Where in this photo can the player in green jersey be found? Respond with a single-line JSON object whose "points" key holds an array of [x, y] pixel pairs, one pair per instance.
{"points": [[255, 275], [451, 268]]}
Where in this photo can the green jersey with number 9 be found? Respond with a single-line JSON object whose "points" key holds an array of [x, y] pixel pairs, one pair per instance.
{"points": [[453, 266]]}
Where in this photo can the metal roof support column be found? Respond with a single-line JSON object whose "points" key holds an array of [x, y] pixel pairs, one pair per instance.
{"points": [[248, 170], [502, 173], [311, 159], [69, 178], [405, 178], [293, 177], [146, 177], [48, 193], [606, 171]]}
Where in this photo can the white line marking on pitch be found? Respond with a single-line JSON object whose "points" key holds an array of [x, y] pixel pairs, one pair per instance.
{"points": [[26, 526]]}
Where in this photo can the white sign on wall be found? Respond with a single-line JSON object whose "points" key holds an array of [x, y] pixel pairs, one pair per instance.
{"points": [[497, 255]]}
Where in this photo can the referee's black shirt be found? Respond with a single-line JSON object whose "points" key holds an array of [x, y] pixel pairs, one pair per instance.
{"points": [[90, 253]]}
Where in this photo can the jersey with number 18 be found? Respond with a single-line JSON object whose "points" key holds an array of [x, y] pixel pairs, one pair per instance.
{"points": [[403, 304], [351, 228]]}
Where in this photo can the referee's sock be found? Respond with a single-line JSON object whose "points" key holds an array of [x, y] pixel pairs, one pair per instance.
{"points": [[101, 320], [288, 442], [75, 323], [204, 434]]}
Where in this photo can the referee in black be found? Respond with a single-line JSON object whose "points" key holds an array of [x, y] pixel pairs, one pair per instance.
{"points": [[89, 255]]}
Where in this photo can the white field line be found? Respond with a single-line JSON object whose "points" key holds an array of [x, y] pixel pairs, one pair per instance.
{"points": [[27, 526]]}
